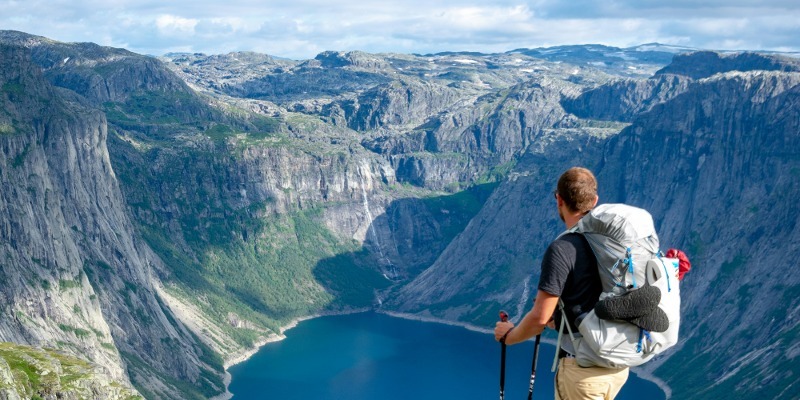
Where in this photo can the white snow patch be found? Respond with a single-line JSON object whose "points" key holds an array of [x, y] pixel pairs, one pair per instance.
{"points": [[663, 47]]}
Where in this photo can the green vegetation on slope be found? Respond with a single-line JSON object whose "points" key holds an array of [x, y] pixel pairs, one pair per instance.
{"points": [[453, 212], [45, 373], [266, 280]]}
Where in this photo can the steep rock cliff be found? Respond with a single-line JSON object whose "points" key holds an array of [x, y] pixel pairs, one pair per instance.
{"points": [[717, 167], [624, 100], [471, 139], [703, 64], [721, 175], [258, 220], [77, 277]]}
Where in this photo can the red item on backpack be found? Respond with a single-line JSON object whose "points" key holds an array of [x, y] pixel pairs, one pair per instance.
{"points": [[684, 265]]}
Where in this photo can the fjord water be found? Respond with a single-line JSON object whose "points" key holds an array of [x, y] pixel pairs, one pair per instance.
{"points": [[375, 356]]}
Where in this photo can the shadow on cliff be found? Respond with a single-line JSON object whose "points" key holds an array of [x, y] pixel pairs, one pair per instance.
{"points": [[400, 244]]}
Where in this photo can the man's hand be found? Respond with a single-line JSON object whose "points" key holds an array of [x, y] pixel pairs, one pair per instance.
{"points": [[532, 323], [501, 328]]}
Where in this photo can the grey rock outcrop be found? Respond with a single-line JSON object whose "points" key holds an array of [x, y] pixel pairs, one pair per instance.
{"points": [[78, 277], [399, 104], [48, 374], [703, 64], [624, 100]]}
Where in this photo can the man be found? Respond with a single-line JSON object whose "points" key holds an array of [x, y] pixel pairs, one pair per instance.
{"points": [[569, 272]]}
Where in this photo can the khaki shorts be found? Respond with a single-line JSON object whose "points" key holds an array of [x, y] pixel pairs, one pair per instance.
{"points": [[574, 382]]}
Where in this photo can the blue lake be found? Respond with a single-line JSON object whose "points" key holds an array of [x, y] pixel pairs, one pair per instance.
{"points": [[374, 356]]}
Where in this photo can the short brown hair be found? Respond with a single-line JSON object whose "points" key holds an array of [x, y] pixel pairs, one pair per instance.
{"points": [[577, 187]]}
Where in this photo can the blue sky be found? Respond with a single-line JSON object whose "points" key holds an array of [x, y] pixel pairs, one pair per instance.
{"points": [[300, 29]]}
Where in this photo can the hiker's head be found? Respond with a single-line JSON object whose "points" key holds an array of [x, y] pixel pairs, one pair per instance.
{"points": [[577, 189]]}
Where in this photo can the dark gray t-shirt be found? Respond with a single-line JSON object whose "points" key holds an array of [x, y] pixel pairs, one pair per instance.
{"points": [[569, 270]]}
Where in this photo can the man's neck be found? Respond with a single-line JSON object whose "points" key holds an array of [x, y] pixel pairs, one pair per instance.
{"points": [[571, 219]]}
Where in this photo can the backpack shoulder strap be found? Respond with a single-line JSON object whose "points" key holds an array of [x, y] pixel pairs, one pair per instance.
{"points": [[574, 229]]}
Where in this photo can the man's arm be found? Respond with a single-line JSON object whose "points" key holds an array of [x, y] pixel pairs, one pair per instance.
{"points": [[534, 321]]}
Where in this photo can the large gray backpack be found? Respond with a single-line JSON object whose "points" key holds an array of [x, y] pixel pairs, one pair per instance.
{"points": [[624, 240]]}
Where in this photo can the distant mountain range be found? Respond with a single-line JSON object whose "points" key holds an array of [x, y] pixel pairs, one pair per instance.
{"points": [[162, 216]]}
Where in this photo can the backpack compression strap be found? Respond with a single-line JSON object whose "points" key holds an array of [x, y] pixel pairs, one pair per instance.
{"points": [[560, 334]]}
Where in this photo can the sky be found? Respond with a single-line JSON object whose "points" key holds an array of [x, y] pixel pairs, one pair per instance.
{"points": [[301, 29]]}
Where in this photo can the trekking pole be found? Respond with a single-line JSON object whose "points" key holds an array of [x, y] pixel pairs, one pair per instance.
{"points": [[503, 318], [533, 365]]}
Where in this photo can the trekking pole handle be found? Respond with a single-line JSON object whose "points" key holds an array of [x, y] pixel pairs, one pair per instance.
{"points": [[503, 318]]}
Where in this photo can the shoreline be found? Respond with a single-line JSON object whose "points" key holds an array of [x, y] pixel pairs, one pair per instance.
{"points": [[244, 355], [656, 380]]}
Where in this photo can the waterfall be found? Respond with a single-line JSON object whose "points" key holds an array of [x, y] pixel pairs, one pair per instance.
{"points": [[525, 294], [364, 170]]}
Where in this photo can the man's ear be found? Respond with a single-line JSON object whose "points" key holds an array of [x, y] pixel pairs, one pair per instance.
{"points": [[596, 199]]}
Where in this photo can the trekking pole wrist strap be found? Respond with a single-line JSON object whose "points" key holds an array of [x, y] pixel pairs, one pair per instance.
{"points": [[503, 339]]}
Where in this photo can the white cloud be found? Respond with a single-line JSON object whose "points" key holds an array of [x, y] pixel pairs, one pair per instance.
{"points": [[484, 18], [171, 24]]}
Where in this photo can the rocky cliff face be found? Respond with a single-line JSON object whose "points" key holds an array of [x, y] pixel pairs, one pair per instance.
{"points": [[75, 275], [396, 104], [159, 216], [434, 118], [625, 99], [717, 168], [731, 148], [246, 213], [703, 64]]}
